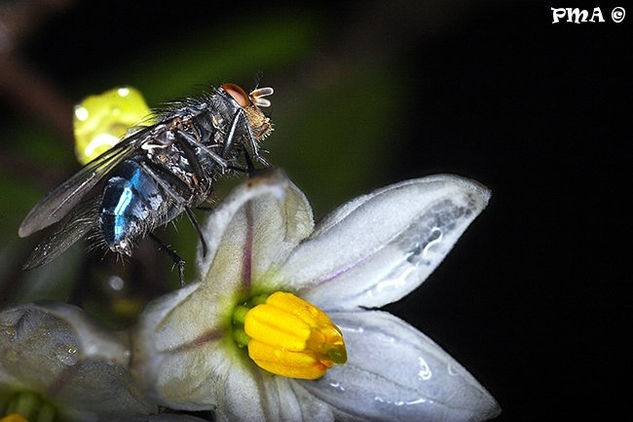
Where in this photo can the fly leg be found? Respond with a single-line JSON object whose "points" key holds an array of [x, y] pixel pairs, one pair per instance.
{"points": [[241, 121], [190, 140], [249, 163], [193, 141], [174, 257], [176, 196], [154, 171], [194, 223]]}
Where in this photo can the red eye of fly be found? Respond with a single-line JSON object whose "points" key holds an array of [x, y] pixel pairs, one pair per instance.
{"points": [[237, 93]]}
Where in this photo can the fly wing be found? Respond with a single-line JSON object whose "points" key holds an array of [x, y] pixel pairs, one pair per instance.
{"points": [[64, 197], [75, 225]]}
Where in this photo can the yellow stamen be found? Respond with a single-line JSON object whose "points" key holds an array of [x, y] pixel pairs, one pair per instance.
{"points": [[293, 338], [14, 417]]}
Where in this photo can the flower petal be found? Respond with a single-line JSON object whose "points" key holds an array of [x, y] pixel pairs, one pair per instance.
{"points": [[379, 247], [256, 225], [254, 228], [312, 409], [185, 355], [94, 340], [56, 351], [211, 373], [396, 373], [281, 400], [168, 417], [217, 376], [176, 321]]}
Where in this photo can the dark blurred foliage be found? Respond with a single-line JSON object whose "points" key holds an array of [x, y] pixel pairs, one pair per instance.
{"points": [[533, 300]]}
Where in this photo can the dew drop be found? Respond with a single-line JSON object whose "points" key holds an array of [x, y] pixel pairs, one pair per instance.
{"points": [[425, 371], [453, 370], [67, 354], [337, 385], [434, 238]]}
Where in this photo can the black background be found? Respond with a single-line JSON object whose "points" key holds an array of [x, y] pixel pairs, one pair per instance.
{"points": [[535, 299]]}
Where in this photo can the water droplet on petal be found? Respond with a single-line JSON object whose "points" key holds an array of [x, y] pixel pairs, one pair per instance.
{"points": [[434, 238], [67, 354], [453, 370], [337, 385], [425, 371]]}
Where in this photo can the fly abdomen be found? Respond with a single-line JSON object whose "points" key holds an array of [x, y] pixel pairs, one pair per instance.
{"points": [[131, 202]]}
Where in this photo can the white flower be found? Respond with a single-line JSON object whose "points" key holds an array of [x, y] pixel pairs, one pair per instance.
{"points": [[371, 251], [56, 353], [56, 365]]}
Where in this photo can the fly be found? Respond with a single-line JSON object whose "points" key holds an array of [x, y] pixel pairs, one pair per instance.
{"points": [[153, 175]]}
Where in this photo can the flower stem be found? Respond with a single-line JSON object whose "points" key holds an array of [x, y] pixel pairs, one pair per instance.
{"points": [[47, 413], [29, 406], [24, 403]]}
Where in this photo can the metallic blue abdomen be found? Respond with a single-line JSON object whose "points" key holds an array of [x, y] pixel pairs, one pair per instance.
{"points": [[130, 200]]}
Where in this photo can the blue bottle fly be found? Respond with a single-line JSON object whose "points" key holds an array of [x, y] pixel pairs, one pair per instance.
{"points": [[153, 175]]}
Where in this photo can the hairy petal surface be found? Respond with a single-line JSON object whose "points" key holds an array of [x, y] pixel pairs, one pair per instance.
{"points": [[254, 229], [215, 375], [377, 248], [312, 409], [57, 352], [396, 373]]}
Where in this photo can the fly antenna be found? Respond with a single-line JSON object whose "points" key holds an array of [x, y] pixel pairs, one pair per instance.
{"points": [[257, 96]]}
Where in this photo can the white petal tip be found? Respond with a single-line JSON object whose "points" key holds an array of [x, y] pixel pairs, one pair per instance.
{"points": [[481, 192]]}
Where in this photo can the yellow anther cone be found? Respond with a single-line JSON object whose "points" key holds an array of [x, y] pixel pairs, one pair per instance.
{"points": [[293, 338]]}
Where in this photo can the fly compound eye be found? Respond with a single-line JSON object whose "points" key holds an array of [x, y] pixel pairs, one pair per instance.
{"points": [[237, 93]]}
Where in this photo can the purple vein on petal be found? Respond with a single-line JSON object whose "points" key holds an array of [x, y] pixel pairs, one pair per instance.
{"points": [[247, 259], [62, 379], [343, 270], [335, 274], [199, 341]]}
